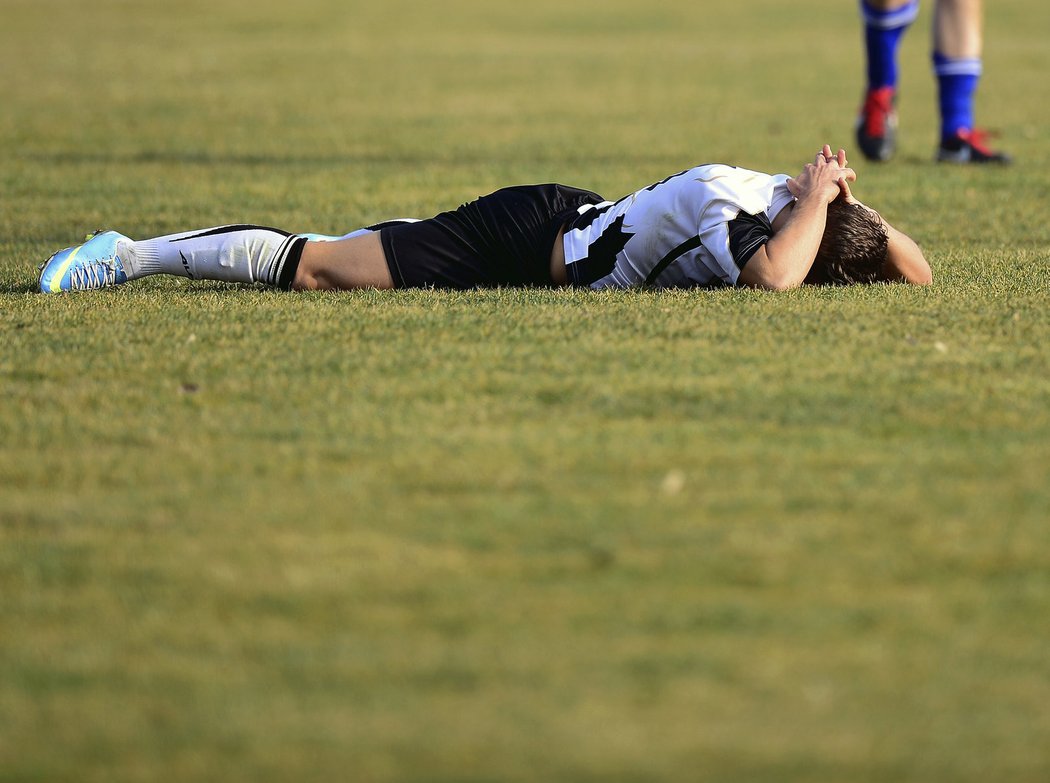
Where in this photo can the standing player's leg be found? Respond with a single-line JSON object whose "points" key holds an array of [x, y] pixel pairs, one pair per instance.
{"points": [[234, 253], [884, 24], [957, 40]]}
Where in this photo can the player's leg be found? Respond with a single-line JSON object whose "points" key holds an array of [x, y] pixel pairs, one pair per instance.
{"points": [[957, 40], [356, 262], [235, 253], [885, 22]]}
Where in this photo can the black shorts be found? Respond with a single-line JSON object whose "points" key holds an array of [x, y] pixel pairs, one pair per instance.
{"points": [[503, 239]]}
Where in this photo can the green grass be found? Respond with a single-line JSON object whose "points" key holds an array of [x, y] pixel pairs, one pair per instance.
{"points": [[511, 535]]}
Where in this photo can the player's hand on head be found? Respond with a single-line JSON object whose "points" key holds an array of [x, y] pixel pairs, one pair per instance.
{"points": [[826, 177], [847, 194], [839, 157]]}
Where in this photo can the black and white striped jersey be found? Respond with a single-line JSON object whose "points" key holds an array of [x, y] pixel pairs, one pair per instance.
{"points": [[696, 228]]}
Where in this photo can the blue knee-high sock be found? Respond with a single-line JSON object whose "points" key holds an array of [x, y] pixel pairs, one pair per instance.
{"points": [[956, 83], [882, 35]]}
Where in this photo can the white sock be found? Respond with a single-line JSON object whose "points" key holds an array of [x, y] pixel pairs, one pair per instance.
{"points": [[238, 253]]}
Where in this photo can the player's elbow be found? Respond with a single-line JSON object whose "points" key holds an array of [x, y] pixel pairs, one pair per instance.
{"points": [[774, 281], [768, 277], [782, 284], [913, 273], [921, 274]]}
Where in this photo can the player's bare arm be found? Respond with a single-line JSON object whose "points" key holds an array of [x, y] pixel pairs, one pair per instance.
{"points": [[785, 261], [905, 262]]}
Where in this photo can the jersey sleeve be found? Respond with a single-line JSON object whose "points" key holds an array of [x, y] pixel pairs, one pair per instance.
{"points": [[747, 233], [733, 240], [733, 223]]}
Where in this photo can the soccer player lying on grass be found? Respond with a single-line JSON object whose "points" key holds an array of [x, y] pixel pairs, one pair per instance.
{"points": [[709, 226]]}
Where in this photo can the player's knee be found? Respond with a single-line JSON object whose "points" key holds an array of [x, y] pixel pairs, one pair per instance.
{"points": [[309, 275], [304, 281]]}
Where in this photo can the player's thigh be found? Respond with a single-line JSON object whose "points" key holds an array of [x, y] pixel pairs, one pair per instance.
{"points": [[358, 262]]}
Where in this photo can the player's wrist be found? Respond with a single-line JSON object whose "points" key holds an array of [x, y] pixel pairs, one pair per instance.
{"points": [[814, 197]]}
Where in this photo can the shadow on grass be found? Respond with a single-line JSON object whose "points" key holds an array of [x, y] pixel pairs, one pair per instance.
{"points": [[171, 285], [25, 287]]}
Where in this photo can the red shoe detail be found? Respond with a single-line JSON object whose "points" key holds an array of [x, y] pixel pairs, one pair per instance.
{"points": [[970, 145], [878, 105], [978, 139]]}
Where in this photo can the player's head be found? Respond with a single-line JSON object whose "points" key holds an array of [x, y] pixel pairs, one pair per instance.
{"points": [[854, 245]]}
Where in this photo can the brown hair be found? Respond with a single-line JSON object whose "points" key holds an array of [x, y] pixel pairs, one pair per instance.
{"points": [[854, 246]]}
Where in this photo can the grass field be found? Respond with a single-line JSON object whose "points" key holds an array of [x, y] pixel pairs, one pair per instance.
{"points": [[512, 535]]}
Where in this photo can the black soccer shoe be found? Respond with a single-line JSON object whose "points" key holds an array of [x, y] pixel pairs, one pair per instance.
{"points": [[969, 146], [877, 124]]}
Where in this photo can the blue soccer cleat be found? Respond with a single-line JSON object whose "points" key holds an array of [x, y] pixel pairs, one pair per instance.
{"points": [[97, 263]]}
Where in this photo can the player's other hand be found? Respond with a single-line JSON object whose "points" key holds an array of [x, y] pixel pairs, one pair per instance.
{"points": [[839, 157], [827, 177]]}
